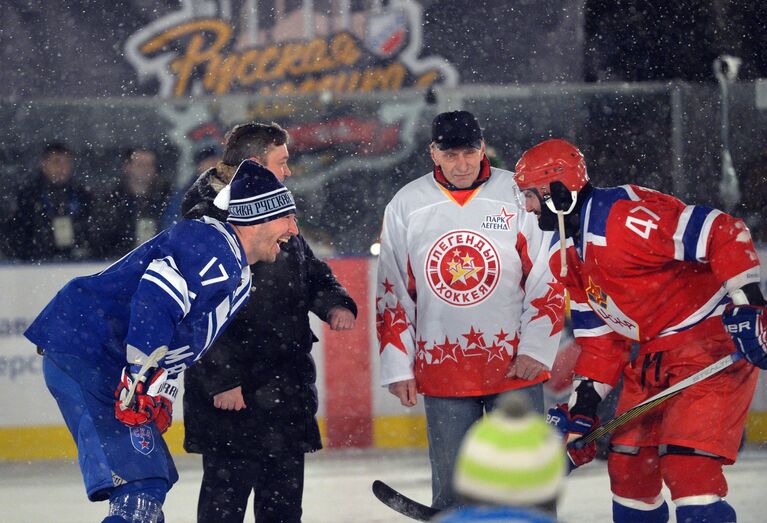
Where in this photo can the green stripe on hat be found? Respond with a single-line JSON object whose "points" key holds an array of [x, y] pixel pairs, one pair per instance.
{"points": [[500, 476], [511, 460], [525, 433]]}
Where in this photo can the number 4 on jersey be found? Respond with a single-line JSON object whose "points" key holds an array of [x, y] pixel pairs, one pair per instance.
{"points": [[642, 227]]}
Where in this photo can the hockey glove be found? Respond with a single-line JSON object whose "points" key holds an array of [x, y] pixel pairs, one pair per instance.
{"points": [[152, 400], [573, 427], [747, 325]]}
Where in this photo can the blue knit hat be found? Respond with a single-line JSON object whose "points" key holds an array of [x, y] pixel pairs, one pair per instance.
{"points": [[254, 195]]}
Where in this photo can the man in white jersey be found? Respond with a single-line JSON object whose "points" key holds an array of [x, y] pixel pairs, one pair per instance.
{"points": [[466, 305]]}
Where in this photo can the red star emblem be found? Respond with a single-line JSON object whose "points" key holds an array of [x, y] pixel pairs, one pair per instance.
{"points": [[388, 286], [496, 351], [450, 352], [421, 343], [501, 337], [436, 352], [144, 443], [474, 338], [507, 216], [394, 323], [446, 350], [553, 306]]}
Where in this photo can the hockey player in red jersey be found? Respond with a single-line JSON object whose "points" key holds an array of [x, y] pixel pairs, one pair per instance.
{"points": [[642, 267]]}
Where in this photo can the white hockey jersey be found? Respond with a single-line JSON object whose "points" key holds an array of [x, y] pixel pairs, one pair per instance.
{"points": [[463, 286]]}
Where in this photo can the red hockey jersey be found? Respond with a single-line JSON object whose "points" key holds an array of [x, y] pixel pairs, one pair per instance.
{"points": [[650, 269]]}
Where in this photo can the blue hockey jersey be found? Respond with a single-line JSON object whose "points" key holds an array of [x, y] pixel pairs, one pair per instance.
{"points": [[179, 289]]}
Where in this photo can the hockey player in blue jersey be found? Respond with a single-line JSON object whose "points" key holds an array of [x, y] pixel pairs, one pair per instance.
{"points": [[167, 300]]}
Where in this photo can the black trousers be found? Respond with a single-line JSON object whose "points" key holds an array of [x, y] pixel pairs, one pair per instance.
{"points": [[277, 482]]}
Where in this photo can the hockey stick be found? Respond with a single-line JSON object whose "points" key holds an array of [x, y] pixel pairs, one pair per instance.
{"points": [[402, 504], [641, 408], [151, 361]]}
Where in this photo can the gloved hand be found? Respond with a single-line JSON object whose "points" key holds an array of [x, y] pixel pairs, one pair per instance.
{"points": [[747, 325], [152, 401], [573, 427]]}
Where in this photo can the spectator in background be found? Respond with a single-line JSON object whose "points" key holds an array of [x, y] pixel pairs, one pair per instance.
{"points": [[510, 467], [131, 212], [206, 158], [49, 212]]}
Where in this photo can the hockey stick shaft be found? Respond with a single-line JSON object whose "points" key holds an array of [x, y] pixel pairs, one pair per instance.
{"points": [[650, 403], [156, 356]]}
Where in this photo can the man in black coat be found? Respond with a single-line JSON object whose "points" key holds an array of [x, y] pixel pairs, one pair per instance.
{"points": [[250, 405], [49, 212]]}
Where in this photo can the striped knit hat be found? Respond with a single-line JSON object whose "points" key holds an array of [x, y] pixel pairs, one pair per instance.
{"points": [[511, 457], [254, 195]]}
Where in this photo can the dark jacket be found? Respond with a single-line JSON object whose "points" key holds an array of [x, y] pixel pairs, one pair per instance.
{"points": [[265, 350], [125, 221], [37, 208]]}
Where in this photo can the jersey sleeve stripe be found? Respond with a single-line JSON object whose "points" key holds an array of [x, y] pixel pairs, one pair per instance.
{"points": [[633, 196], [701, 252], [681, 226], [714, 306], [585, 319], [162, 273], [164, 286], [592, 333], [578, 306], [694, 233]]}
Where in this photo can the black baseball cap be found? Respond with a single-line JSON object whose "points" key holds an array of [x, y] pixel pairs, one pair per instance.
{"points": [[456, 129]]}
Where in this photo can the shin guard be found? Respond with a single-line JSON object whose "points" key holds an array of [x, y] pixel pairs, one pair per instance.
{"points": [[718, 512]]}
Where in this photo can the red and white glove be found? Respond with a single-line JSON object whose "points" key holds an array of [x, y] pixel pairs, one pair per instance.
{"points": [[152, 400]]}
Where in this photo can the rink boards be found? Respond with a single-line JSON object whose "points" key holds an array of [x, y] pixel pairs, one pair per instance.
{"points": [[354, 410]]}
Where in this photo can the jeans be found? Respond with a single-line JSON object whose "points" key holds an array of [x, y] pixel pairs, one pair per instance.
{"points": [[447, 421]]}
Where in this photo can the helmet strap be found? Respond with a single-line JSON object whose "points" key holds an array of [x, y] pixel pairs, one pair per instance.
{"points": [[549, 201], [562, 240]]}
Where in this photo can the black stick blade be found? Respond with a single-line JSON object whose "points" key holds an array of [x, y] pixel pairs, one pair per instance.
{"points": [[401, 503]]}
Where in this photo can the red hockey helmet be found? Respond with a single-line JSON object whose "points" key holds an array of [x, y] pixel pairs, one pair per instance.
{"points": [[551, 161]]}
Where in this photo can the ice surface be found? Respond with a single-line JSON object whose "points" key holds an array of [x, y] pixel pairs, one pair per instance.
{"points": [[337, 489]]}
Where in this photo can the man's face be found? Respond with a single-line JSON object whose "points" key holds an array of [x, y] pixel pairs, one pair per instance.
{"points": [[277, 161], [140, 172], [262, 242], [57, 167], [547, 220], [532, 202], [142, 165], [460, 165]]}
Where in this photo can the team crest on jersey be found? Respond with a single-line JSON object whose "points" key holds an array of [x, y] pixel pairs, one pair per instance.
{"points": [[498, 222], [595, 294], [610, 313], [142, 439], [463, 268]]}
